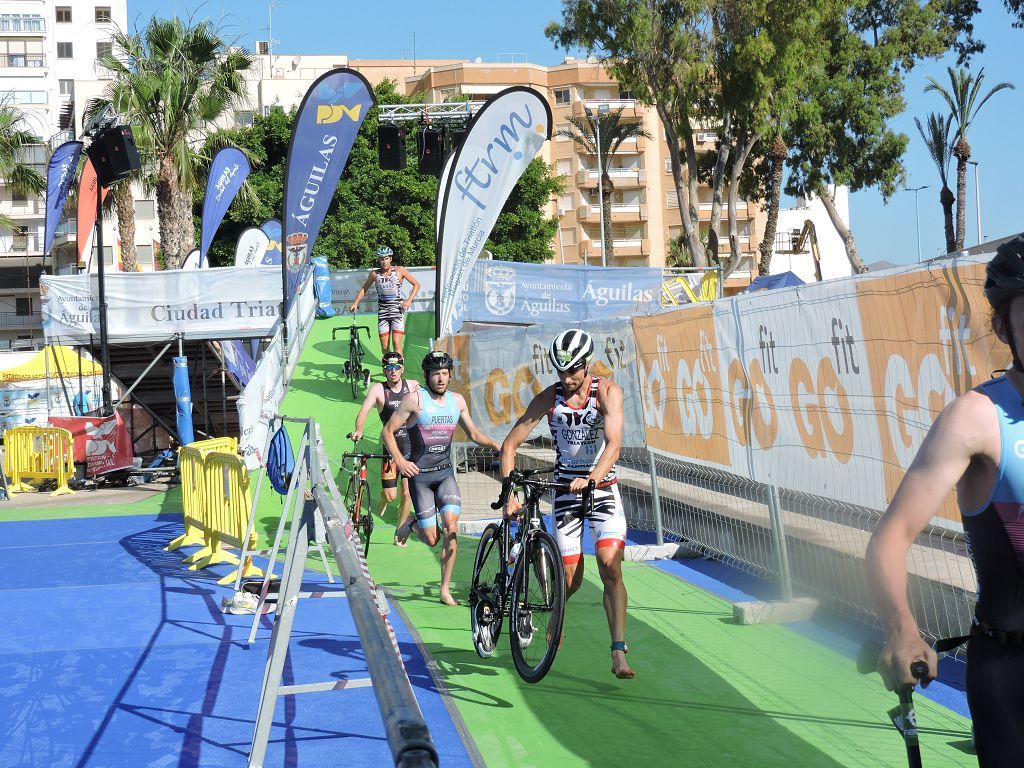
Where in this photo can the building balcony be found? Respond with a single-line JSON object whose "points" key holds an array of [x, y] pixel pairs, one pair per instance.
{"points": [[588, 213], [22, 25], [23, 209], [25, 64], [629, 107], [630, 214], [624, 178], [14, 320]]}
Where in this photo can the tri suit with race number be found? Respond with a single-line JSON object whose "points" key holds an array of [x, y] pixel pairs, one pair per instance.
{"points": [[578, 434], [390, 317], [392, 399], [434, 490], [995, 540]]}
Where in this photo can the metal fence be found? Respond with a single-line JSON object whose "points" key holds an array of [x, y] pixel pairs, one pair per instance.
{"points": [[805, 545]]}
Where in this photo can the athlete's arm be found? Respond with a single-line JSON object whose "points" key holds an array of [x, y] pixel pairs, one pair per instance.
{"points": [[471, 430], [538, 409], [956, 436], [413, 282], [609, 403], [403, 416], [374, 399], [362, 292]]}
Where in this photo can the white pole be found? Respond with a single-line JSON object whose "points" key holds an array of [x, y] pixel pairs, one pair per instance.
{"points": [[977, 199], [917, 216]]}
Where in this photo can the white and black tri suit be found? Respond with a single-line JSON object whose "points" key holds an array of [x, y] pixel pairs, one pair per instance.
{"points": [[390, 317], [578, 434]]}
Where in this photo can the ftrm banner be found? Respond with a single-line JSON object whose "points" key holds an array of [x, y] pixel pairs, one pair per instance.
{"points": [[60, 175], [501, 141], [325, 127], [228, 172]]}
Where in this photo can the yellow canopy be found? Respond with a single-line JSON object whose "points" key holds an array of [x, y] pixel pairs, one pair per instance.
{"points": [[28, 366]]}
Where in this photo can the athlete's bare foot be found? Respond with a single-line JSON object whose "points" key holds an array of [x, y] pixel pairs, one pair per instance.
{"points": [[402, 534], [447, 599], [620, 667]]}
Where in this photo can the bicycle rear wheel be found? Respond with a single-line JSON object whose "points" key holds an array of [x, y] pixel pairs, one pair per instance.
{"points": [[486, 603], [365, 518], [357, 502], [537, 607]]}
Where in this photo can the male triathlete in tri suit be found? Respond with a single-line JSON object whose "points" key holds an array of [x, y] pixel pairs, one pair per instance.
{"points": [[584, 414], [391, 308], [386, 398], [431, 416], [977, 445]]}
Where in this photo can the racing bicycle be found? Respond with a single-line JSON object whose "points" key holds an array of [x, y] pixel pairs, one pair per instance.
{"points": [[520, 575], [353, 369], [357, 491]]}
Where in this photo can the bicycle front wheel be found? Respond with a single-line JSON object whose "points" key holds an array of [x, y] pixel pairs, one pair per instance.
{"points": [[486, 601], [538, 607], [365, 518], [354, 373]]}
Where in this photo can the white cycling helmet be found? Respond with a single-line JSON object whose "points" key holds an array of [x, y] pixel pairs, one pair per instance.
{"points": [[571, 349], [384, 251]]}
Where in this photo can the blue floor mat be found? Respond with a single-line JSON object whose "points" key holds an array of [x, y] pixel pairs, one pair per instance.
{"points": [[113, 654]]}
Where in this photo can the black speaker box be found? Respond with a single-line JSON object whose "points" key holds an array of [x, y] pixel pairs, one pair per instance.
{"points": [[430, 149], [114, 155], [391, 147], [455, 138]]}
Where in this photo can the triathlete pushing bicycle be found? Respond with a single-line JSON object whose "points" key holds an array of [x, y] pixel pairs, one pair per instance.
{"points": [[584, 413]]}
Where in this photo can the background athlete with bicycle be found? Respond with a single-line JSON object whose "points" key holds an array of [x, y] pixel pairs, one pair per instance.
{"points": [[391, 308], [431, 416], [386, 398], [584, 414]]}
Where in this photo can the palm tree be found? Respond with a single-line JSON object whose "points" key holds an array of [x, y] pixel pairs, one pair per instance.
{"points": [[936, 138], [962, 97], [14, 140], [612, 130], [171, 82]]}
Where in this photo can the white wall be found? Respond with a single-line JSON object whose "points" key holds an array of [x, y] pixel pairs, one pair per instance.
{"points": [[834, 262]]}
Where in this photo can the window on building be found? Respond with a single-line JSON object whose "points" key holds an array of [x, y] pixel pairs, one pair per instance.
{"points": [[22, 306], [145, 209], [568, 236], [63, 14], [671, 199], [565, 166], [108, 255], [18, 196], [20, 238], [104, 48], [243, 118], [565, 202], [65, 51], [563, 97], [67, 88], [102, 14], [626, 95]]}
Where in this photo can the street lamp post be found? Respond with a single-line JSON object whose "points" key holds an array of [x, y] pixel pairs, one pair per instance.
{"points": [[977, 197], [917, 216], [602, 109]]}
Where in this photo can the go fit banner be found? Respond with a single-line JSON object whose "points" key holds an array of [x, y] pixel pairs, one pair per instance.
{"points": [[827, 388]]}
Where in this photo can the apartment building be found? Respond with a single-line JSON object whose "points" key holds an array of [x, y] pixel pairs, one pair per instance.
{"points": [[48, 49]]}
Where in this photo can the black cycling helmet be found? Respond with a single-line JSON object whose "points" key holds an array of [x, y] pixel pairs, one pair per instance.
{"points": [[1004, 275], [436, 360], [391, 358]]}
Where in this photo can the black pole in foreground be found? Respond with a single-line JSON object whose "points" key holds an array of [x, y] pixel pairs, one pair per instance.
{"points": [[108, 409]]}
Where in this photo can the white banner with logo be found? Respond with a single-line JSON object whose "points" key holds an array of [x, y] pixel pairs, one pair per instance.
{"points": [[501, 141], [252, 246], [147, 306]]}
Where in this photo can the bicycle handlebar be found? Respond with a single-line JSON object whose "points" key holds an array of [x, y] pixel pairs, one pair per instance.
{"points": [[361, 456], [334, 332], [867, 662], [522, 477]]}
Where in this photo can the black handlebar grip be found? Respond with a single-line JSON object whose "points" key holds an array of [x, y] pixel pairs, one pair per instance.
{"points": [[919, 669]]}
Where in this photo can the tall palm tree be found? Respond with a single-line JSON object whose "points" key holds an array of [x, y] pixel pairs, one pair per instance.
{"points": [[962, 97], [612, 131], [936, 138], [171, 82], [14, 140]]}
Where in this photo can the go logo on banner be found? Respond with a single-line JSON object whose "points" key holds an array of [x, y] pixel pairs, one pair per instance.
{"points": [[951, 351], [681, 384]]}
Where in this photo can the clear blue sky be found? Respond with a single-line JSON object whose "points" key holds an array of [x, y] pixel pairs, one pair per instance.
{"points": [[467, 29]]}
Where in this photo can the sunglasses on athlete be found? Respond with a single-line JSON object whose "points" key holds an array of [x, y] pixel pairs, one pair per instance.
{"points": [[393, 367]]}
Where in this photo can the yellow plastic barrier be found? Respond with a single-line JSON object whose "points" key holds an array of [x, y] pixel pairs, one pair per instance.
{"points": [[39, 453], [227, 513], [193, 492]]}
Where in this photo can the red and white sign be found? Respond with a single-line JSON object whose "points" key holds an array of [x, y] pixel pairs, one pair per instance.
{"points": [[101, 443]]}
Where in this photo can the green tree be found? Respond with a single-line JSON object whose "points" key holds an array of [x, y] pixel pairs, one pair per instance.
{"points": [[171, 82], [14, 140], [935, 133], [601, 135], [964, 99]]}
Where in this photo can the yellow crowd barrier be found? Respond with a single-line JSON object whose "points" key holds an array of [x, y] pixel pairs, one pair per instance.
{"points": [[215, 505], [39, 453]]}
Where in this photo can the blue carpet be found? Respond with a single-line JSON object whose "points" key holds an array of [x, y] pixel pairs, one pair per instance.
{"points": [[113, 654]]}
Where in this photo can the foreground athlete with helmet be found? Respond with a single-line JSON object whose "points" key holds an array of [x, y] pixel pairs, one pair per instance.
{"points": [[431, 415], [386, 398], [391, 308], [973, 445], [584, 413]]}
